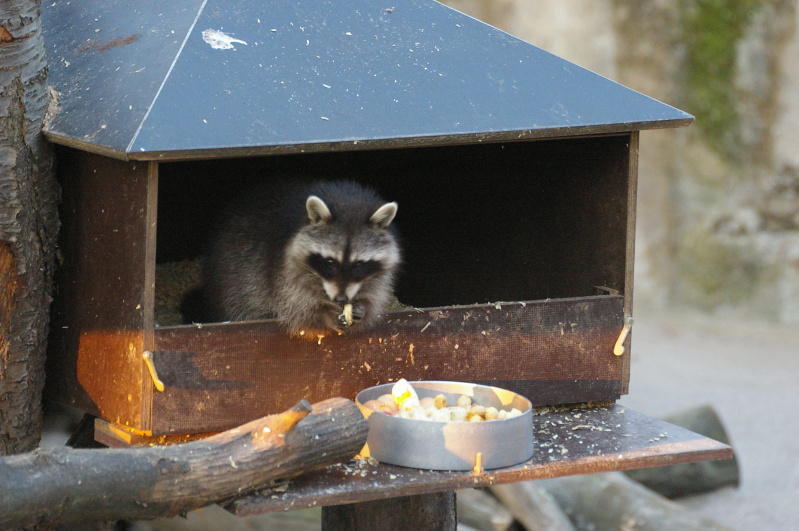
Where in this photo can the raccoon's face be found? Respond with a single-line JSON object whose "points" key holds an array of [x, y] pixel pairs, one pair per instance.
{"points": [[342, 277], [352, 262]]}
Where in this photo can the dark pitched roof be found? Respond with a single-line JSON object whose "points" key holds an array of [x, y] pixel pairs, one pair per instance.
{"points": [[200, 78]]}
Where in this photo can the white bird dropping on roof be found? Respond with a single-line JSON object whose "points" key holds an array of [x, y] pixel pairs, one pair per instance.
{"points": [[219, 40]]}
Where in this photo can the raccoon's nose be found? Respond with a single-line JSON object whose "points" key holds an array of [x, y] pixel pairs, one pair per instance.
{"points": [[341, 299]]}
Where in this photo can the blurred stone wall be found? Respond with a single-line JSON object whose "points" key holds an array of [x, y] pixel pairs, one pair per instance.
{"points": [[718, 211]]}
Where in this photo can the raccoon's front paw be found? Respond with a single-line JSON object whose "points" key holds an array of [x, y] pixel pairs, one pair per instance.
{"points": [[358, 312], [351, 314]]}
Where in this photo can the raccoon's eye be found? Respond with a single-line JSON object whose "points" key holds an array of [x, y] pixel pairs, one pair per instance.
{"points": [[325, 267], [359, 270]]}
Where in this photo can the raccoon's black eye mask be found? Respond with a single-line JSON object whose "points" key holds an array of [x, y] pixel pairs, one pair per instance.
{"points": [[327, 268], [362, 269], [330, 268]]}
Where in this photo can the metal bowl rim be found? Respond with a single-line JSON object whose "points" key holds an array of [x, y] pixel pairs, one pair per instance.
{"points": [[388, 385]]}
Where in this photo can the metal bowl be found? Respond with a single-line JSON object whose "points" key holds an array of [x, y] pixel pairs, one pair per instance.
{"points": [[450, 445]]}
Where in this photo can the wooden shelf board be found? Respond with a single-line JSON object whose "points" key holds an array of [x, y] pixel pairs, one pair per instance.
{"points": [[569, 441]]}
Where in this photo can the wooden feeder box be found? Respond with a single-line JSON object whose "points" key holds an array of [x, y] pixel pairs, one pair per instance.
{"points": [[515, 172]]}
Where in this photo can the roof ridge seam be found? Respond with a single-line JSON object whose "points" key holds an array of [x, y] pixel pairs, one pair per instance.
{"points": [[166, 77]]}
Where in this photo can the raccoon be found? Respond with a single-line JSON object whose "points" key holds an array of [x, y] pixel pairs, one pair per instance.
{"points": [[321, 255]]}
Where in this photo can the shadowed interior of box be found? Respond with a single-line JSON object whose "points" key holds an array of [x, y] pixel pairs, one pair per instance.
{"points": [[479, 223]]}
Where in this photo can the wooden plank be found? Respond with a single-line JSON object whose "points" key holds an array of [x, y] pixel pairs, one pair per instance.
{"points": [[629, 269], [147, 268], [117, 437], [556, 351], [101, 307], [570, 441]]}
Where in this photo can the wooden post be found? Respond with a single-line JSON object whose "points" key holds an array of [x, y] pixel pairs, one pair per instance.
{"points": [[432, 512]]}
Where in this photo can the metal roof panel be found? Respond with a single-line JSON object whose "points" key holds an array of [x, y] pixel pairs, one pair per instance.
{"points": [[216, 79]]}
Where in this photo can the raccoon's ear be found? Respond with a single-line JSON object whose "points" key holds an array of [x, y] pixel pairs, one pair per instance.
{"points": [[318, 213], [384, 215]]}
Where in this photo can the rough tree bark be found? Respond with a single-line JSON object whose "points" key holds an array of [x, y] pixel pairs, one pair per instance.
{"points": [[67, 485], [28, 224]]}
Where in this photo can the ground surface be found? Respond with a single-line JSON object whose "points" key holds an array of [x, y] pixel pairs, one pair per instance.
{"points": [[749, 373]]}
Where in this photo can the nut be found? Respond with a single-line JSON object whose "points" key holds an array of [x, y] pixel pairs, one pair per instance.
{"points": [[464, 401]]}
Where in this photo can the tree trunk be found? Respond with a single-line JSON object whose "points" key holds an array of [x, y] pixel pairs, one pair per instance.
{"points": [[68, 485], [28, 224]]}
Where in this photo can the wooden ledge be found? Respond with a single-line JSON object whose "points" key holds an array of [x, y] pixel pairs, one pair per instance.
{"points": [[568, 442]]}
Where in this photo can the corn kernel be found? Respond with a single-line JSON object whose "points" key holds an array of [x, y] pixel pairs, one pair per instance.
{"points": [[491, 413], [475, 418], [440, 401]]}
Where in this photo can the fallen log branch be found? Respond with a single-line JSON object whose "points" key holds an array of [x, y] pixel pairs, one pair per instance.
{"points": [[478, 509], [614, 501], [674, 481], [70, 485], [532, 506]]}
